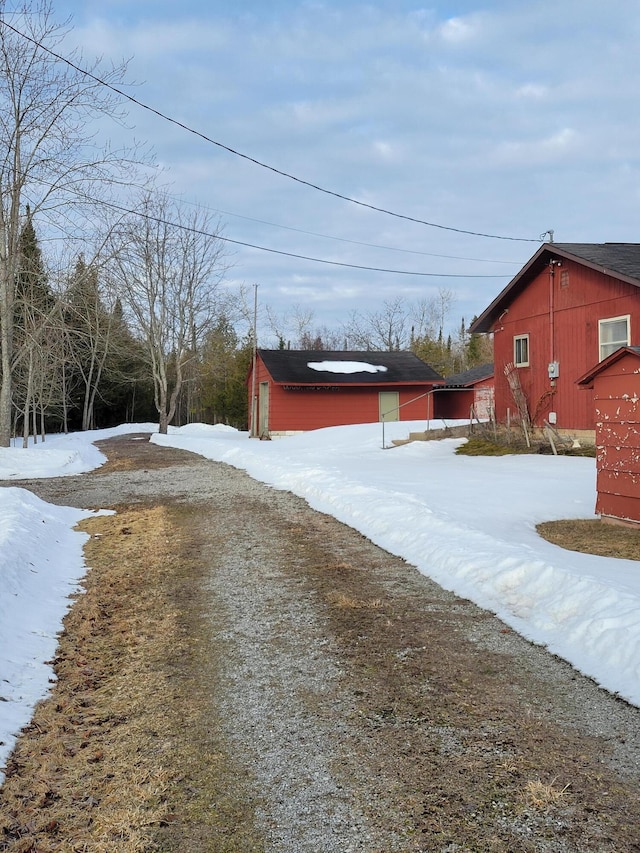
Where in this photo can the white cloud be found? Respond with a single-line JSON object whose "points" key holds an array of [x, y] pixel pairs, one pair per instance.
{"points": [[532, 90], [458, 30], [385, 150], [553, 148]]}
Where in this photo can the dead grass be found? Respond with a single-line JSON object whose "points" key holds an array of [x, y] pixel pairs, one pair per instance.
{"points": [[506, 444], [543, 796], [88, 772], [486, 447], [350, 602], [124, 755], [593, 537]]}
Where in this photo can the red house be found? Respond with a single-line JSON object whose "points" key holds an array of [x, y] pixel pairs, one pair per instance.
{"points": [[616, 388], [568, 308], [296, 390], [465, 395]]}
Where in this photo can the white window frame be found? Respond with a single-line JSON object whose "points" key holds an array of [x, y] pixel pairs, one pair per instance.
{"points": [[516, 340], [605, 348]]}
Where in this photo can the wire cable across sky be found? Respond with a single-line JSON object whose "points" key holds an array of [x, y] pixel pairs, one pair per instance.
{"points": [[257, 162], [190, 228]]}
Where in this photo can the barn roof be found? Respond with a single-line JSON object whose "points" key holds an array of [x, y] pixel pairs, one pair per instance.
{"points": [[618, 260], [590, 375], [346, 367], [469, 377]]}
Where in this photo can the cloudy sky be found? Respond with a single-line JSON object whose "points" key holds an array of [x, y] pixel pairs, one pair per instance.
{"points": [[492, 116]]}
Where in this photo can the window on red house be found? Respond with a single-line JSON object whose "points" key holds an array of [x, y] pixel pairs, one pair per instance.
{"points": [[613, 334], [521, 350]]}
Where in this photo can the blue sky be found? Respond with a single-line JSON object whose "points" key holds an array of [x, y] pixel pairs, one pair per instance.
{"points": [[496, 117]]}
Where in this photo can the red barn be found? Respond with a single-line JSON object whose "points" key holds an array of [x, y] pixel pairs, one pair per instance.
{"points": [[616, 389], [298, 390], [465, 395], [568, 308]]}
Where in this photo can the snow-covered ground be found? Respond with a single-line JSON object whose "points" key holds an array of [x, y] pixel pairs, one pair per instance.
{"points": [[467, 522]]}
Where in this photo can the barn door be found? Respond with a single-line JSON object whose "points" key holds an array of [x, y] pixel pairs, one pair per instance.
{"points": [[388, 402], [263, 413]]}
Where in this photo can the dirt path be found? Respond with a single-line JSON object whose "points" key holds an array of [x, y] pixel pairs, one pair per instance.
{"points": [[244, 674]]}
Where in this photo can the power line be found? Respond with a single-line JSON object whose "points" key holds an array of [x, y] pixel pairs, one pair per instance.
{"points": [[357, 266], [203, 233], [145, 215], [256, 162], [363, 243]]}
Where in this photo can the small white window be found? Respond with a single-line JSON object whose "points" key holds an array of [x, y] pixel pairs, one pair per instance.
{"points": [[521, 350], [613, 334]]}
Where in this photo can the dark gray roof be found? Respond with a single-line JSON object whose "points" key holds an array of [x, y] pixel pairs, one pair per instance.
{"points": [[292, 366], [619, 260], [622, 258], [469, 377]]}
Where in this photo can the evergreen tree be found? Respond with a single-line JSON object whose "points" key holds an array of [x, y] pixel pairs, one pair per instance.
{"points": [[105, 362], [36, 343], [479, 349], [226, 363]]}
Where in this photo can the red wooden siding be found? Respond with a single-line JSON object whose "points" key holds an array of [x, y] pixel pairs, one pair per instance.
{"points": [[455, 404], [623, 507], [620, 457], [617, 411], [305, 410], [567, 334]]}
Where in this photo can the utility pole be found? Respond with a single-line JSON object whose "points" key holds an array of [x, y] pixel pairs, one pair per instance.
{"points": [[254, 403]]}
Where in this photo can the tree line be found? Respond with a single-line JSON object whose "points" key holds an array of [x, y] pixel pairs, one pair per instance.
{"points": [[142, 337], [419, 326]]}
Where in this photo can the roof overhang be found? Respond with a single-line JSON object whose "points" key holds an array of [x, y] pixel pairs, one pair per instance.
{"points": [[545, 254], [587, 379], [333, 383]]}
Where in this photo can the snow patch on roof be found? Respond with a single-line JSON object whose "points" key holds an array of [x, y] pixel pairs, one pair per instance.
{"points": [[346, 367]]}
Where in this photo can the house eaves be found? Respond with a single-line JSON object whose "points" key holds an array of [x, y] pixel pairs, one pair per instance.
{"points": [[589, 376], [617, 260]]}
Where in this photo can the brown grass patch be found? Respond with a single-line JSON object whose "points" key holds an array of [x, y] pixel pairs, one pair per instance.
{"points": [[542, 796], [95, 746], [124, 755], [113, 465], [593, 537], [487, 447], [83, 776], [349, 602], [505, 443]]}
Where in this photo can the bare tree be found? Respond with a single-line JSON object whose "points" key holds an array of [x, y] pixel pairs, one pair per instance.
{"points": [[387, 329], [90, 326], [321, 338], [46, 151], [169, 267], [291, 327]]}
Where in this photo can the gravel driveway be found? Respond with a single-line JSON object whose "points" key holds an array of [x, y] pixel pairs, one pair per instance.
{"points": [[354, 704]]}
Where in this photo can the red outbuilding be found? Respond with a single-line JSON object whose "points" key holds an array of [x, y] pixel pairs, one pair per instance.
{"points": [[297, 390], [568, 308], [466, 395], [615, 382]]}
